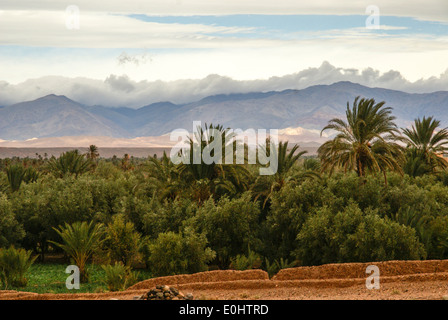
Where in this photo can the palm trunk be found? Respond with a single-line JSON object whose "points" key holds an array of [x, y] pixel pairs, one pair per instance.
{"points": [[360, 169], [361, 172]]}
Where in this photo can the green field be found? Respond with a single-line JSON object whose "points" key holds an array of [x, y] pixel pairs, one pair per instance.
{"points": [[50, 278]]}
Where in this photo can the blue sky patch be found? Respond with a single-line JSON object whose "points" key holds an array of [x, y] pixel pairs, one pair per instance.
{"points": [[287, 26]]}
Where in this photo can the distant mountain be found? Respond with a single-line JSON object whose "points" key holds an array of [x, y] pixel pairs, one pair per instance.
{"points": [[310, 108], [53, 116]]}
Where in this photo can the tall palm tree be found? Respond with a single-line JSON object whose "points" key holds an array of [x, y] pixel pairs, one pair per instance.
{"points": [[16, 174], [366, 142], [428, 142], [92, 153], [415, 163], [70, 162], [265, 186], [126, 162], [163, 174], [212, 178]]}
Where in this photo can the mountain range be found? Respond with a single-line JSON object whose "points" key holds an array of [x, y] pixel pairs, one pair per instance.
{"points": [[308, 110]]}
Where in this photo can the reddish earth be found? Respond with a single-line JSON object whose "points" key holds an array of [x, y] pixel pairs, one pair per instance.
{"points": [[398, 280]]}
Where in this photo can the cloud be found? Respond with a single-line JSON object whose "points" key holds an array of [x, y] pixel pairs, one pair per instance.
{"points": [[120, 90], [434, 10], [137, 60], [108, 30], [101, 30], [36, 42], [120, 83]]}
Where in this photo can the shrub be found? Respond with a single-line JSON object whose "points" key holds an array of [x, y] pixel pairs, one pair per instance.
{"points": [[366, 192], [14, 264], [243, 262], [122, 241], [178, 253], [290, 208], [11, 231], [230, 225], [166, 215], [355, 236], [118, 277], [274, 267]]}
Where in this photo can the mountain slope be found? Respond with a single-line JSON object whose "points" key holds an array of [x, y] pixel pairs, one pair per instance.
{"points": [[310, 108], [53, 116]]}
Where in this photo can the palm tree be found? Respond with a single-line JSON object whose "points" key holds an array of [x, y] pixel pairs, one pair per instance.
{"points": [[92, 153], [415, 164], [126, 162], [70, 162], [266, 185], [427, 142], [31, 175], [14, 265], [366, 142], [210, 179], [80, 240], [163, 174], [15, 175]]}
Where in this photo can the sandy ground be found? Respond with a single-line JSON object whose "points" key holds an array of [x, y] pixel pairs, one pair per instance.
{"points": [[399, 280]]}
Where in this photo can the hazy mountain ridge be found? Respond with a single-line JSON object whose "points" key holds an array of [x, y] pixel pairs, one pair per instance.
{"points": [[309, 108]]}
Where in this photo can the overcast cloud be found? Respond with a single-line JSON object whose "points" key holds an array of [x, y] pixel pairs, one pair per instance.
{"points": [[434, 10], [138, 52], [120, 90]]}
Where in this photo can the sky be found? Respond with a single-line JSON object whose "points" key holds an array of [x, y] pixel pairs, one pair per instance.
{"points": [[132, 53]]}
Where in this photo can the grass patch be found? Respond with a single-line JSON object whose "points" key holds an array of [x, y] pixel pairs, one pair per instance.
{"points": [[51, 277]]}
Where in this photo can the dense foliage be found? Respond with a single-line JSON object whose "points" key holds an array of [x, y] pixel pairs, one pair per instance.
{"points": [[366, 198]]}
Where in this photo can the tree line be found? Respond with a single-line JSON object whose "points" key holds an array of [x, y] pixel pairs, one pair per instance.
{"points": [[373, 193]]}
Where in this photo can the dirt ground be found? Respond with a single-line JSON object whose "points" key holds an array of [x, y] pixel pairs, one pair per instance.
{"points": [[398, 280]]}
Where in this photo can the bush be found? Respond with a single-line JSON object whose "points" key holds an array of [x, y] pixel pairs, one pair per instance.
{"points": [[14, 264], [122, 242], [243, 262], [179, 253], [48, 203], [355, 236], [166, 215], [11, 231], [119, 277], [274, 267], [290, 208], [366, 193], [230, 225]]}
